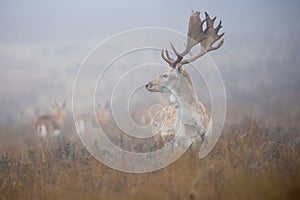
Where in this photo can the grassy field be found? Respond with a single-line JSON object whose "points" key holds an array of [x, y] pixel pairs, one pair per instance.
{"points": [[252, 160]]}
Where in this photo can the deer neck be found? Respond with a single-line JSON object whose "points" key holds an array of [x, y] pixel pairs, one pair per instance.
{"points": [[59, 116], [190, 110], [185, 93]]}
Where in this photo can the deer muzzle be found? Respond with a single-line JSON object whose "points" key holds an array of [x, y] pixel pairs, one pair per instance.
{"points": [[151, 87]]}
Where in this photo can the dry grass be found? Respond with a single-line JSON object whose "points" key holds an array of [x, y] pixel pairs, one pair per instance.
{"points": [[251, 161]]}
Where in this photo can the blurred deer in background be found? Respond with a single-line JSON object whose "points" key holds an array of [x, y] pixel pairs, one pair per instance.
{"points": [[142, 116], [50, 124], [88, 121], [103, 115], [186, 117]]}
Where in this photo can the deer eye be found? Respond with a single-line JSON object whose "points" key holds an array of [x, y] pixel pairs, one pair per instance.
{"points": [[164, 75]]}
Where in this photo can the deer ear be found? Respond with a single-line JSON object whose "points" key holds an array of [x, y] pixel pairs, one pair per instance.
{"points": [[106, 104], [64, 104], [53, 105], [98, 106]]}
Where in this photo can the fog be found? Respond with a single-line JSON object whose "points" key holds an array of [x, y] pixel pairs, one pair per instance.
{"points": [[44, 43]]}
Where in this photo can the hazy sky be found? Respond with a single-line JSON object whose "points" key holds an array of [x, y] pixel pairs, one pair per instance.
{"points": [[44, 42]]}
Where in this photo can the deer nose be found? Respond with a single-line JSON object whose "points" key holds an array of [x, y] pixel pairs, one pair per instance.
{"points": [[148, 85]]}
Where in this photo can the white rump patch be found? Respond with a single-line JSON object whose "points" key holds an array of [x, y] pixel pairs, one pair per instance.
{"points": [[56, 132], [81, 126], [42, 130]]}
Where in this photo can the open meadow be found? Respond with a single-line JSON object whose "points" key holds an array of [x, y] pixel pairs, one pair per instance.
{"points": [[252, 160]]}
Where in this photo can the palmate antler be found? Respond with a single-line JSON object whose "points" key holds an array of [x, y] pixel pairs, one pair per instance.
{"points": [[196, 35]]}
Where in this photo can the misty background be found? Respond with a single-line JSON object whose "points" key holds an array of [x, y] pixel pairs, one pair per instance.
{"points": [[43, 44]]}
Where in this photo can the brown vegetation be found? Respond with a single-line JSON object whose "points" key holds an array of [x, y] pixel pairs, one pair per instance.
{"points": [[252, 160]]}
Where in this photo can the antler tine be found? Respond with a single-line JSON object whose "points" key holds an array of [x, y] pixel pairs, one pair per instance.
{"points": [[55, 102], [195, 36], [174, 50], [179, 56], [191, 54], [219, 26], [202, 52], [168, 56], [211, 36], [191, 59], [195, 32], [218, 45], [168, 59]]}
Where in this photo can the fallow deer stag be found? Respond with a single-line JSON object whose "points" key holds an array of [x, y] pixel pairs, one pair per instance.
{"points": [[186, 117], [50, 124]]}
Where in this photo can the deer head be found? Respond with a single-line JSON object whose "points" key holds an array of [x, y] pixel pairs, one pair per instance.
{"points": [[175, 77], [59, 110]]}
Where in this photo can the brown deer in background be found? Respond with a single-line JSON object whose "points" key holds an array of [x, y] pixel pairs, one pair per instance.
{"points": [[88, 121], [50, 124]]}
